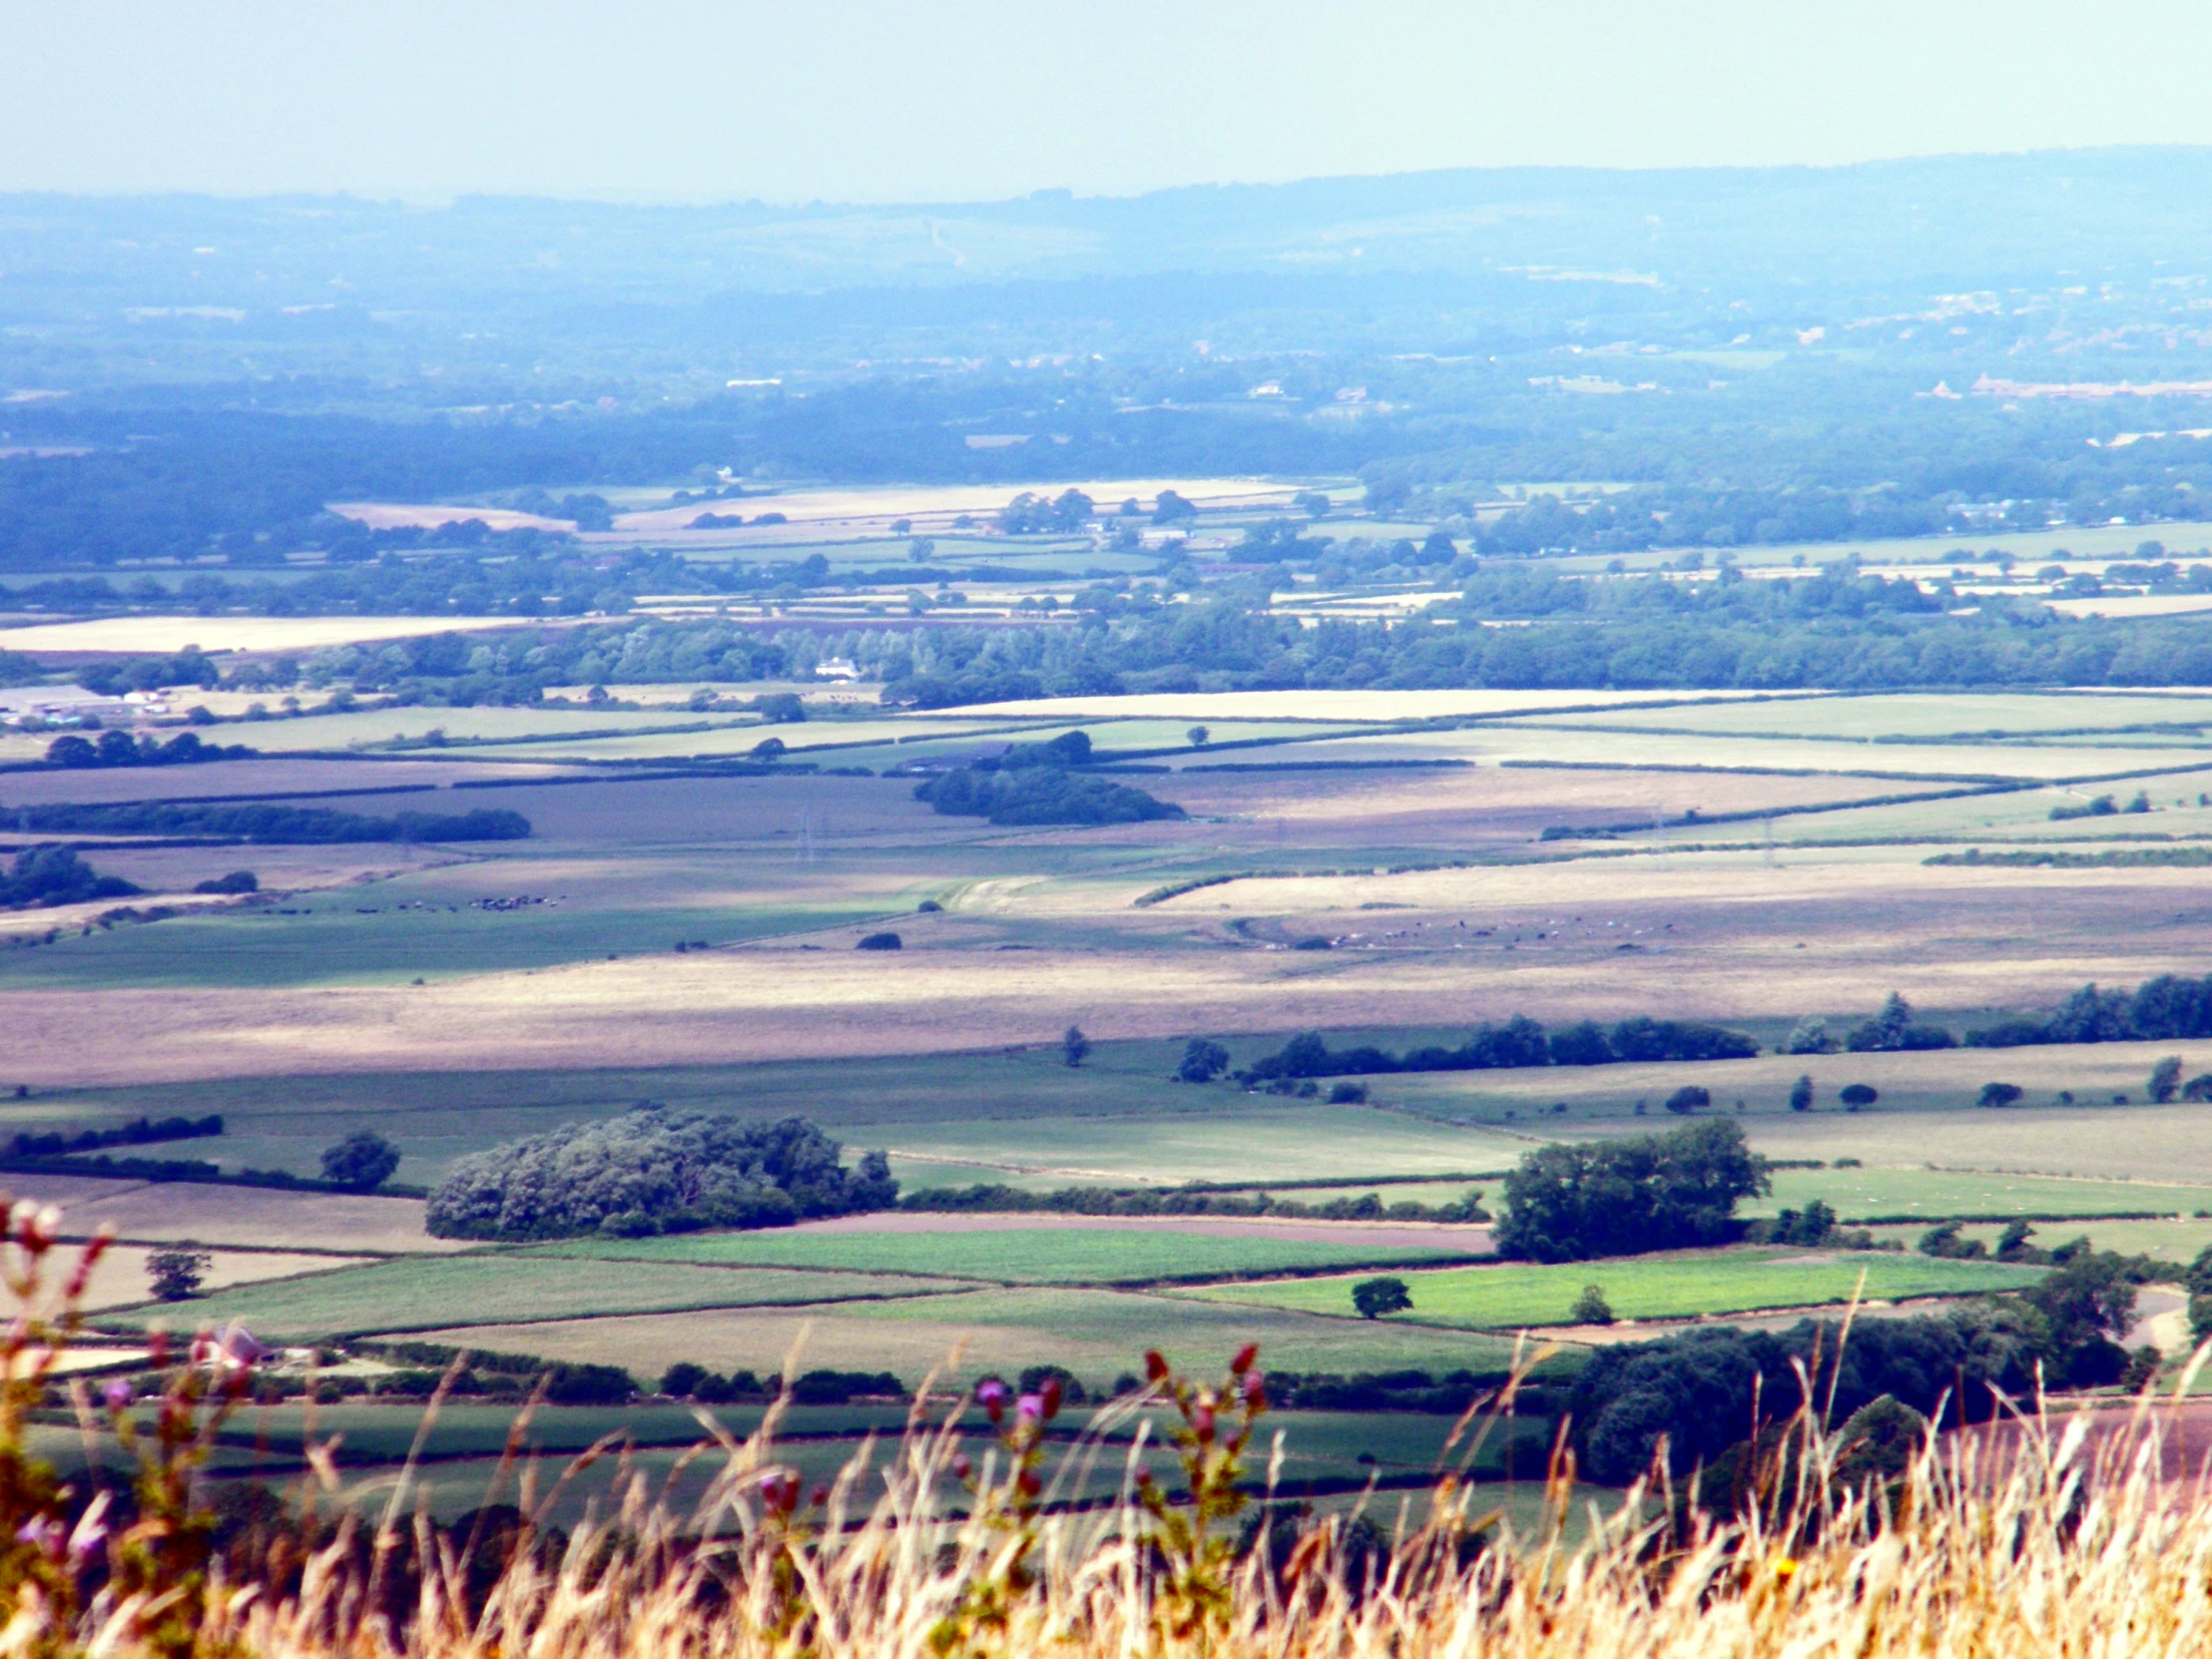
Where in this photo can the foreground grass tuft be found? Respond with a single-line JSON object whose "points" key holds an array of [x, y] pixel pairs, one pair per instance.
{"points": [[1875, 1540]]}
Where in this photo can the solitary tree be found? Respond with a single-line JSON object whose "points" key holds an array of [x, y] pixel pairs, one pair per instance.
{"points": [[177, 1271], [1855, 1096], [1591, 1308], [362, 1161], [2000, 1094], [1074, 1046], [1199, 737], [1377, 1297], [1689, 1098], [1801, 1094], [2166, 1080], [1203, 1062]]}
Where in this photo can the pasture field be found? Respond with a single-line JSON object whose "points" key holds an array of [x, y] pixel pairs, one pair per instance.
{"points": [[487, 723], [1562, 744], [1230, 1141], [1676, 1285], [413, 925], [491, 1289], [1942, 1192], [1041, 1256], [2167, 1240], [269, 777], [1911, 1085], [164, 633], [1099, 1335], [2156, 1144], [1962, 719]]}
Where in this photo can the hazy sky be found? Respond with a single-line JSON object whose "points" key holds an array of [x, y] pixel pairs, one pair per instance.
{"points": [[885, 100]]}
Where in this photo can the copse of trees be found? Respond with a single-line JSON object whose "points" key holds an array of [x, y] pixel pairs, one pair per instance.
{"points": [[120, 749], [362, 1162], [1895, 1028], [1032, 783], [1698, 1391], [654, 1170], [2169, 1008], [1519, 1041], [48, 876], [1574, 1201]]}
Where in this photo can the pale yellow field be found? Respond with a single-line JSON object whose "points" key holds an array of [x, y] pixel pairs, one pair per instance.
{"points": [[1568, 744], [253, 1217], [2134, 604], [121, 1277], [926, 504], [237, 633], [392, 515], [1340, 705]]}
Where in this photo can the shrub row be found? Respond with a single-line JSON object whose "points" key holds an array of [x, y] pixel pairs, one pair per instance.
{"points": [[195, 1171], [55, 1143], [1146, 1201], [283, 826]]}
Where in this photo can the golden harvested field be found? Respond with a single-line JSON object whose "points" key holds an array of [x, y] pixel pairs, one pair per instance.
{"points": [[237, 633], [120, 1280], [253, 1217], [2134, 604]]}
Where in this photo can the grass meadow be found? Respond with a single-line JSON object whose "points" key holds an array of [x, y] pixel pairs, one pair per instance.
{"points": [[1680, 1285], [1040, 1256], [1097, 1333]]}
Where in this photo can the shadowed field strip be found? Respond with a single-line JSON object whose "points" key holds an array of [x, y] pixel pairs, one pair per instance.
{"points": [[407, 1296]]}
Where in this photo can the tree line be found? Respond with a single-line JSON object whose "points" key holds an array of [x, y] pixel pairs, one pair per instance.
{"points": [[261, 822], [1519, 1041]]}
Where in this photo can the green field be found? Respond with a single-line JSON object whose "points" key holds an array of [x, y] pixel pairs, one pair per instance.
{"points": [[332, 944], [1013, 1256], [1939, 1194], [418, 1294], [1681, 1286], [1099, 1335], [2177, 1242]]}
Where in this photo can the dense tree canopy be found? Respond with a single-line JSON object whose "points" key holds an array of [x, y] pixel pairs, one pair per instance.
{"points": [[652, 1171], [1572, 1202]]}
